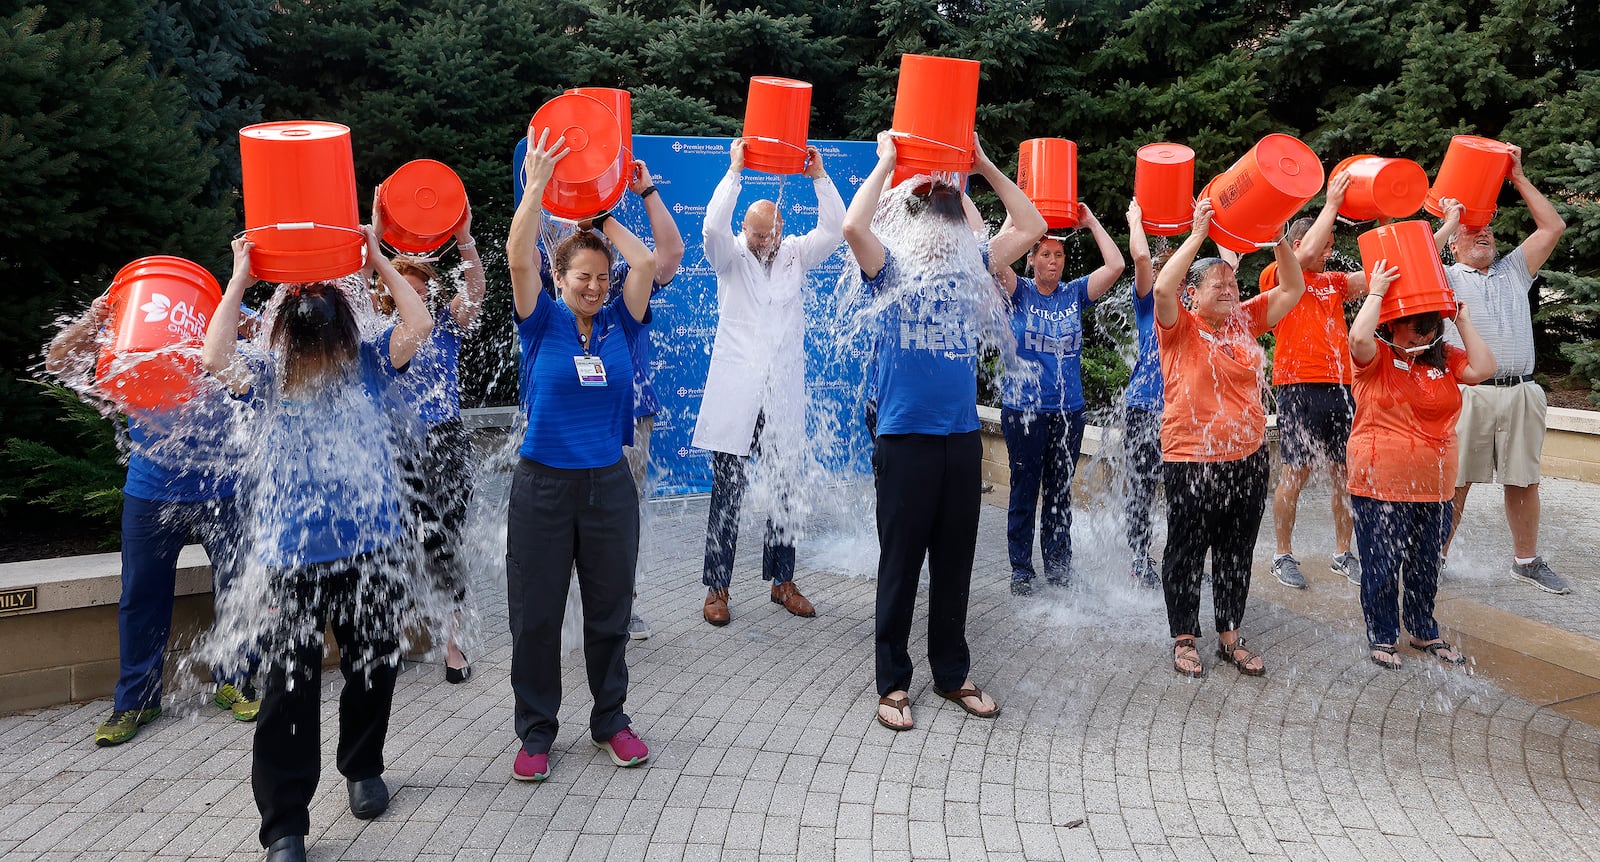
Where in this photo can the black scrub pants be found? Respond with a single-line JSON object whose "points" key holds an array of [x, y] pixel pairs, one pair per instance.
{"points": [[1212, 506]]}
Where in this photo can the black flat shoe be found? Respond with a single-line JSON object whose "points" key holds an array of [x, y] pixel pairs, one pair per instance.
{"points": [[457, 675], [289, 848], [368, 798]]}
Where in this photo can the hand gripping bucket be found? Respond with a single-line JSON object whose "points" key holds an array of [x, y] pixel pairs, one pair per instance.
{"points": [[1382, 188], [935, 111], [1047, 172], [621, 104], [160, 307], [1163, 184], [422, 204], [1421, 285], [777, 116], [1253, 199], [595, 174], [1472, 172], [300, 201]]}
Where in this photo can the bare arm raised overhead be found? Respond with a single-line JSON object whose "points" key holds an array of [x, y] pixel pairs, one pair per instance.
{"points": [[522, 245]]}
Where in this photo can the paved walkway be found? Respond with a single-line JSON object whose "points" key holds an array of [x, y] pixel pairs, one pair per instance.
{"points": [[764, 747]]}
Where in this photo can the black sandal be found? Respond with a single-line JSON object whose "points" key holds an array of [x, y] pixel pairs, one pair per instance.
{"points": [[1187, 643], [1435, 649], [1384, 648], [1230, 654], [458, 675], [897, 704]]}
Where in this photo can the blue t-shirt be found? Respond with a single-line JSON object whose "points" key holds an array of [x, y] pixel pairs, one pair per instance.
{"points": [[184, 454], [926, 370], [326, 485], [645, 402], [432, 382], [1145, 386], [578, 424], [1049, 332]]}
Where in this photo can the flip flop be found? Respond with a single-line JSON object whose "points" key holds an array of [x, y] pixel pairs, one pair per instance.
{"points": [[1435, 650], [960, 693], [896, 703], [1385, 648]]}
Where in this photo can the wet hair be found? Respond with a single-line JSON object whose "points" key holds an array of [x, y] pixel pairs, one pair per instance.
{"points": [[940, 200], [406, 265], [1160, 258], [314, 335], [580, 241], [1198, 269], [1298, 230], [1428, 324]]}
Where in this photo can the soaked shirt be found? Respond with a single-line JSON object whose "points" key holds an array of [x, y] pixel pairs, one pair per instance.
{"points": [[184, 454], [1049, 332], [1498, 303], [1213, 385], [432, 384], [1403, 446], [1313, 341], [578, 422], [1144, 385]]}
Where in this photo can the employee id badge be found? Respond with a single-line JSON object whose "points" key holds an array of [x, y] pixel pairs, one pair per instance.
{"points": [[591, 371]]}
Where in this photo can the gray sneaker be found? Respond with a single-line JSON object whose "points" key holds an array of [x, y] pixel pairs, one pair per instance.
{"points": [[1287, 570], [1541, 575], [638, 629], [1349, 565]]}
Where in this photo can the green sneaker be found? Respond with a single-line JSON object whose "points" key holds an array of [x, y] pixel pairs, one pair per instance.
{"points": [[245, 705], [124, 725]]}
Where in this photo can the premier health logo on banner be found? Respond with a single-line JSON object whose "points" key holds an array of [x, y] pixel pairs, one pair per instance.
{"points": [[687, 170]]}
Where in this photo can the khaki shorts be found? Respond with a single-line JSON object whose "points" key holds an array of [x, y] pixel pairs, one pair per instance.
{"points": [[1501, 434]]}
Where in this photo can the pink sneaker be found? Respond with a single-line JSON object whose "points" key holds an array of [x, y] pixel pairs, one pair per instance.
{"points": [[626, 749], [531, 767]]}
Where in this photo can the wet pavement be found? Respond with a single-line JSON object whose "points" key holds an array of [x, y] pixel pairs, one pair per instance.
{"points": [[764, 744]]}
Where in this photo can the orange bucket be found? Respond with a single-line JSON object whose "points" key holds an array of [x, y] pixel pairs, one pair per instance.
{"points": [[1382, 188], [160, 307], [621, 103], [300, 201], [422, 205], [1047, 172], [935, 112], [595, 174], [1163, 184], [1421, 285], [777, 116], [1252, 200], [1472, 172]]}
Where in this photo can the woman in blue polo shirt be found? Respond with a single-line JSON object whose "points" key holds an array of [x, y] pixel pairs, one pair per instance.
{"points": [[324, 520], [573, 498], [1042, 409], [917, 254]]}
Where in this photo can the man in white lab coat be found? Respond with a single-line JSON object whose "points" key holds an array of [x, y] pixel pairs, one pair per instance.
{"points": [[755, 396]]}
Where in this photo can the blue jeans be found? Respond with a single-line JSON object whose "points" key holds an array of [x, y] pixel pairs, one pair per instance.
{"points": [[1400, 544], [153, 532], [1043, 450]]}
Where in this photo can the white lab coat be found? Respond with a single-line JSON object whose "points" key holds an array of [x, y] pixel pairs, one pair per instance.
{"points": [[758, 361]]}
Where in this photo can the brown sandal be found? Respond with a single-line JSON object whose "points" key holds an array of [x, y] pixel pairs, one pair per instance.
{"points": [[897, 704], [1230, 654], [959, 695], [1187, 644]]}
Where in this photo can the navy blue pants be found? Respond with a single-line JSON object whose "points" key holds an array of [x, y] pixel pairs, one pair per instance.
{"points": [[1399, 545], [153, 532], [1043, 449], [728, 483]]}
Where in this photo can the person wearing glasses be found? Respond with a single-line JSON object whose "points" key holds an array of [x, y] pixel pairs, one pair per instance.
{"points": [[1403, 460]]}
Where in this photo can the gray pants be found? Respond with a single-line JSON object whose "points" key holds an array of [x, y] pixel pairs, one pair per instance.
{"points": [[558, 519]]}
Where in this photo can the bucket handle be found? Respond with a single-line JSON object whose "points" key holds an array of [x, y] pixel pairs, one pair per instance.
{"points": [[766, 140], [298, 225], [946, 144]]}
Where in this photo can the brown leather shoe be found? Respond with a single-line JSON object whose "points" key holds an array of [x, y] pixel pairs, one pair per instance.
{"points": [[716, 609], [788, 595]]}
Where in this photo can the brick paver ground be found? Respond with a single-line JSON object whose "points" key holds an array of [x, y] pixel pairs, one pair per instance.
{"points": [[764, 747]]}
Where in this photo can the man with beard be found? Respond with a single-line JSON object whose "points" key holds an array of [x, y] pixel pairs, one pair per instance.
{"points": [[755, 392], [1502, 424]]}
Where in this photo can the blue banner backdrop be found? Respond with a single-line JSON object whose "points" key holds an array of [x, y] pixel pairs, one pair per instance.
{"points": [[686, 170]]}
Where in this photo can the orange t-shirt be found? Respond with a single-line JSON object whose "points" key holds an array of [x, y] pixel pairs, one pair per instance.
{"points": [[1313, 340], [1403, 446], [1213, 385]]}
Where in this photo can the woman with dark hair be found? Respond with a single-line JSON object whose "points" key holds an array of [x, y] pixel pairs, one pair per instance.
{"points": [[1212, 430], [573, 498], [324, 518], [439, 472], [1042, 407], [918, 255], [1403, 459]]}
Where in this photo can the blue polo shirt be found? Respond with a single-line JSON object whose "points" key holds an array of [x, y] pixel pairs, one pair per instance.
{"points": [[645, 402], [432, 382], [1144, 387], [571, 425], [184, 454], [1049, 333]]}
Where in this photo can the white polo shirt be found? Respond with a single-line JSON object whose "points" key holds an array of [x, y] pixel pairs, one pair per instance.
{"points": [[1498, 303]]}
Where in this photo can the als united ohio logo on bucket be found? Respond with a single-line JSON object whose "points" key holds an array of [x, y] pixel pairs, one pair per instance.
{"points": [[181, 318]]}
